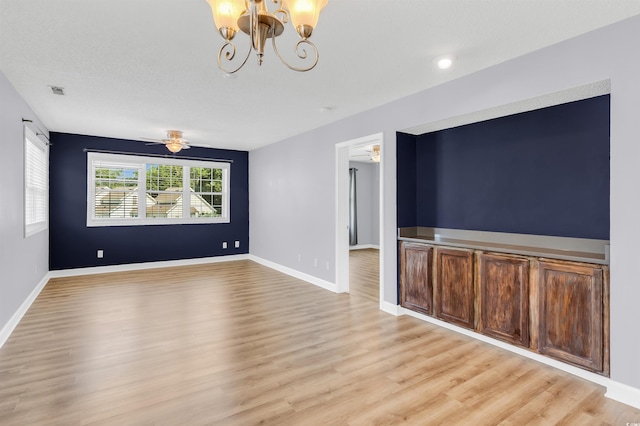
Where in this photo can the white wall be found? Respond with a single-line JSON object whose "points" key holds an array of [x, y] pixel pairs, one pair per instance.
{"points": [[291, 182], [24, 262], [368, 197]]}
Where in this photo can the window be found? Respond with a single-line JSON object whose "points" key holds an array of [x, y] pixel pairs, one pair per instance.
{"points": [[36, 183], [135, 190], [206, 182]]}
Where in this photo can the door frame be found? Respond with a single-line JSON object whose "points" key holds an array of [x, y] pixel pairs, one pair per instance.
{"points": [[342, 210]]}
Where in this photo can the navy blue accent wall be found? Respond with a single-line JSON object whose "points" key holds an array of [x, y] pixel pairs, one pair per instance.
{"points": [[406, 179], [74, 245], [543, 172]]}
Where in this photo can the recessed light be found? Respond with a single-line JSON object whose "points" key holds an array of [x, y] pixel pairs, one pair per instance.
{"points": [[444, 62], [57, 90], [325, 109]]}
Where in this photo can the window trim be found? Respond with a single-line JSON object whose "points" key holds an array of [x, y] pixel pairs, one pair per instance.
{"points": [[140, 162], [31, 138]]}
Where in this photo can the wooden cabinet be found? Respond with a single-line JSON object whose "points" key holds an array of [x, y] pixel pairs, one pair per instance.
{"points": [[454, 290], [502, 301], [554, 307], [416, 281], [571, 314]]}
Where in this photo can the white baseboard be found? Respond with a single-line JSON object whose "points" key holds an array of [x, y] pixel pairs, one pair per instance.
{"points": [[17, 316], [623, 393], [296, 274], [390, 308], [615, 390], [146, 265], [364, 247]]}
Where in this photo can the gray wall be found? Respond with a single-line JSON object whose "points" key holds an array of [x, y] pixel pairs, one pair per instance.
{"points": [[368, 196], [291, 208], [292, 182], [24, 262]]}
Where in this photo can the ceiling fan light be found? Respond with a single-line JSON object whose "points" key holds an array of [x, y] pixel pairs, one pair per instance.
{"points": [[174, 146], [375, 155], [304, 15], [225, 16]]}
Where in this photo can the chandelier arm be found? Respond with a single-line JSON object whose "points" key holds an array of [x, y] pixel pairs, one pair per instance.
{"points": [[281, 12], [229, 50], [300, 52]]}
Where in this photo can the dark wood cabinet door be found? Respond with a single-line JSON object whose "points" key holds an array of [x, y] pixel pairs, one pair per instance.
{"points": [[571, 313], [416, 281], [503, 297], [454, 292]]}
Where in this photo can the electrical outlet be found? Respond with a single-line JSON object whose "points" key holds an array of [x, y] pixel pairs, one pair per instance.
{"points": [[100, 254], [237, 244], [224, 244]]}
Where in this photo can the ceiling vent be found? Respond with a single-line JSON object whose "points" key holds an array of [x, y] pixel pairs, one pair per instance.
{"points": [[56, 90]]}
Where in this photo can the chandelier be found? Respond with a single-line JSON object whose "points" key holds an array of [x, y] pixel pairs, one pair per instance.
{"points": [[254, 19]]}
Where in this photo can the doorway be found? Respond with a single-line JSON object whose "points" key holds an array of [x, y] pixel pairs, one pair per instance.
{"points": [[342, 155]]}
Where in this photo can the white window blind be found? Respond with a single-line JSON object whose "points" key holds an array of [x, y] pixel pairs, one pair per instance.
{"points": [[36, 183]]}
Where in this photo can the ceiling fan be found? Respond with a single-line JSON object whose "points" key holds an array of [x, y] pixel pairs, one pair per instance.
{"points": [[174, 141], [373, 152]]}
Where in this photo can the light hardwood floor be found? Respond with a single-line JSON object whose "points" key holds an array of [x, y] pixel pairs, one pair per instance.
{"points": [[237, 343], [364, 270]]}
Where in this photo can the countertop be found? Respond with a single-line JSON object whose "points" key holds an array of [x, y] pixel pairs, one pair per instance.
{"points": [[551, 253]]}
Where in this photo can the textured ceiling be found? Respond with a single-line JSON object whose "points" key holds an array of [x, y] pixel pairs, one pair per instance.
{"points": [[135, 68]]}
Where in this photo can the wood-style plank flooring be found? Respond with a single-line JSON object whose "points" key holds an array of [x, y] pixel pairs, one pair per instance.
{"points": [[237, 343], [364, 272]]}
